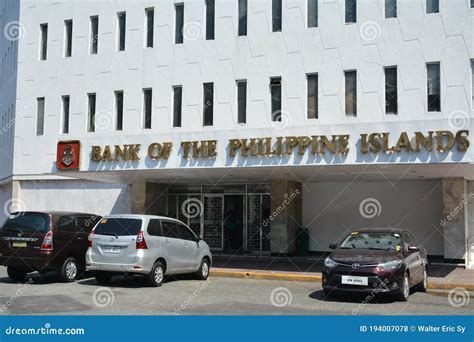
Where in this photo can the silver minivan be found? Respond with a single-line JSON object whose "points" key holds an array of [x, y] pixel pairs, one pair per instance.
{"points": [[153, 246]]}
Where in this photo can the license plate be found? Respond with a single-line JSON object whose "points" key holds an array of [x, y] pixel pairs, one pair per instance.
{"points": [[354, 280], [19, 244], [115, 250]]}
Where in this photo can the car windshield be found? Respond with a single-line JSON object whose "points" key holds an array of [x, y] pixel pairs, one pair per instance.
{"points": [[118, 226], [379, 241], [27, 222]]}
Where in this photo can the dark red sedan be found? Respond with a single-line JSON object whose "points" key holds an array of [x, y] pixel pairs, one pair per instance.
{"points": [[381, 260]]}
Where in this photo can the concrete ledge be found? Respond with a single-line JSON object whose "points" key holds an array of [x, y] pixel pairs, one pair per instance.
{"points": [[310, 277]]}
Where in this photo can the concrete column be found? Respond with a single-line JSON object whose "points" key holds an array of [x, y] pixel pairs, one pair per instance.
{"points": [[470, 225], [286, 216], [455, 221], [149, 198]]}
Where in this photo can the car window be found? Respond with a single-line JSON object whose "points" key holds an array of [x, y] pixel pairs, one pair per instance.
{"points": [[377, 241], [154, 228], [118, 226], [185, 233], [27, 222], [411, 240], [67, 224], [170, 229]]}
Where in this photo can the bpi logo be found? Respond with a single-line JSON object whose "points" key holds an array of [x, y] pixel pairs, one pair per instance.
{"points": [[68, 157]]}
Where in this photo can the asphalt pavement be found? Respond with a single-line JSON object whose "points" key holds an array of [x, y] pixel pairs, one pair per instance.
{"points": [[43, 295]]}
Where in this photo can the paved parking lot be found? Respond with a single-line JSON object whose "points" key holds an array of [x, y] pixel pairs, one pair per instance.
{"points": [[218, 296]]}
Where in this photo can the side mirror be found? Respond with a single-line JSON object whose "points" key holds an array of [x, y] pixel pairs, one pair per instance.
{"points": [[412, 249], [333, 246]]}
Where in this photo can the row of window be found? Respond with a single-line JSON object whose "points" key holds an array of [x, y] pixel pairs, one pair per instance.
{"points": [[391, 100], [432, 6]]}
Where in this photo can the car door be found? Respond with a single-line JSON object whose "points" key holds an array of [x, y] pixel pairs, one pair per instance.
{"points": [[191, 250], [173, 247], [420, 257], [412, 259], [65, 239]]}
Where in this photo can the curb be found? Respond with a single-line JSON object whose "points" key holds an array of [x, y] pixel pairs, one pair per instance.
{"points": [[309, 277]]}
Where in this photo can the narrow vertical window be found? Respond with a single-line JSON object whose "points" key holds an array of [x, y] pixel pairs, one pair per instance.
{"points": [[312, 96], [40, 116], [122, 22], [68, 38], [177, 105], [472, 3], [391, 90], [242, 101], [119, 110], [432, 6], [351, 11], [91, 112], [210, 19], [433, 87], [276, 15], [351, 92], [179, 23], [150, 26], [147, 107], [94, 39], [66, 105], [243, 17], [208, 104], [390, 9], [275, 90], [43, 41], [312, 13]]}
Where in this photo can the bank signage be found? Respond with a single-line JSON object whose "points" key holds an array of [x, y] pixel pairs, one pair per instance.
{"points": [[68, 155], [267, 147]]}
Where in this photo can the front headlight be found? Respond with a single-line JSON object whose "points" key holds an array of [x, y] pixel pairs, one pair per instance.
{"points": [[328, 262], [391, 265]]}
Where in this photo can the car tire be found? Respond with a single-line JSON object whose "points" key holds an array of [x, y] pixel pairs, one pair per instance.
{"points": [[404, 289], [16, 274], [157, 275], [69, 271], [204, 268], [102, 277], [423, 286]]}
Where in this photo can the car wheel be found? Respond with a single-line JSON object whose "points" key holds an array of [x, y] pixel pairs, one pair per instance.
{"points": [[102, 277], [404, 289], [157, 274], [69, 271], [203, 272], [16, 274], [423, 286]]}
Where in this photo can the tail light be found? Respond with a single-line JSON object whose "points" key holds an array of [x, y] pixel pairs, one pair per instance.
{"points": [[47, 244], [89, 238], [141, 243]]}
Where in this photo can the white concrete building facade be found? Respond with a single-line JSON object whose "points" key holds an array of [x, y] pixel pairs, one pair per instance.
{"points": [[247, 119]]}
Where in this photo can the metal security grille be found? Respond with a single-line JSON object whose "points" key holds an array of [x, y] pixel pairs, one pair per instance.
{"points": [[213, 221], [258, 226]]}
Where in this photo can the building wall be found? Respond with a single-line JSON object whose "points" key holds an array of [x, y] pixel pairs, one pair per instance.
{"points": [[12, 31], [332, 209], [409, 42], [5, 201], [81, 196]]}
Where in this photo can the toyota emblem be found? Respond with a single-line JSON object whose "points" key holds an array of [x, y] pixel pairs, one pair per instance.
{"points": [[355, 266]]}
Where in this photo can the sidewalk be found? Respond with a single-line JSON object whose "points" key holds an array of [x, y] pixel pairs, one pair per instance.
{"points": [[440, 277]]}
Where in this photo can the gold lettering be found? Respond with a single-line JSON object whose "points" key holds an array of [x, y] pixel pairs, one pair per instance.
{"points": [[421, 140], [403, 142], [343, 144], [462, 140], [235, 144], [440, 139], [107, 155], [96, 154], [186, 145]]}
